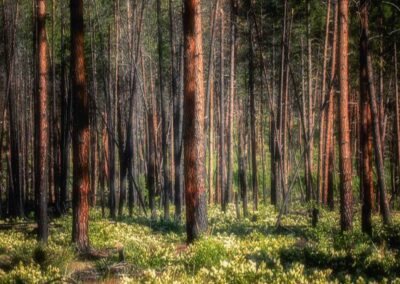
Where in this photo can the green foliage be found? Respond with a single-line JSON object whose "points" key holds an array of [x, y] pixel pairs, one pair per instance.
{"points": [[206, 253], [247, 250]]}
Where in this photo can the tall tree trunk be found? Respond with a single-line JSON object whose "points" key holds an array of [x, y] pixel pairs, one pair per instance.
{"points": [[177, 97], [222, 170], [242, 166], [178, 150], [15, 192], [164, 124], [252, 114], [232, 90], [322, 140], [66, 105], [110, 132], [152, 152], [397, 171], [310, 116], [93, 121], [378, 146], [346, 196], [328, 166], [120, 102], [80, 136], [367, 185], [209, 120], [196, 200], [42, 129], [278, 127]]}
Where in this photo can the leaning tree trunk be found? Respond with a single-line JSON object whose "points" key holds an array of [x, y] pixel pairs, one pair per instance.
{"points": [[80, 137], [194, 154], [379, 162]]}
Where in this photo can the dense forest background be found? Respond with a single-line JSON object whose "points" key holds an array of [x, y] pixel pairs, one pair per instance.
{"points": [[166, 112]]}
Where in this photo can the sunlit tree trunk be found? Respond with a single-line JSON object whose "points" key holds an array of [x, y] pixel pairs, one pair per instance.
{"points": [[346, 196], [42, 129]]}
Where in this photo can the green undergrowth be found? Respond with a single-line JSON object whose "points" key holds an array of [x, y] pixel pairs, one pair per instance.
{"points": [[248, 250]]}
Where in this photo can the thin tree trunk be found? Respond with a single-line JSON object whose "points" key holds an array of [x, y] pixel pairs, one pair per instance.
{"points": [[310, 142], [242, 167], [278, 128], [42, 129], [178, 151], [232, 90], [110, 133], [252, 115], [66, 105], [222, 170], [164, 124], [322, 137], [209, 119], [378, 146], [397, 124], [328, 166], [93, 121]]}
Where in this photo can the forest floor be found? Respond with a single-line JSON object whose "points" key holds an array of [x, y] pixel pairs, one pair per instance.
{"points": [[246, 250]]}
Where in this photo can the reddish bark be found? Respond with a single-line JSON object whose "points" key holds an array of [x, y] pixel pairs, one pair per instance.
{"points": [[322, 140], [327, 192], [42, 125], [80, 137], [194, 154], [346, 196], [366, 184]]}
